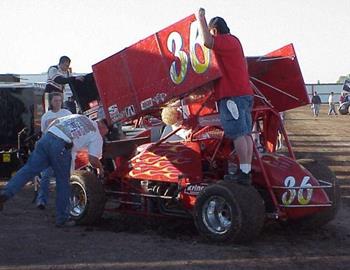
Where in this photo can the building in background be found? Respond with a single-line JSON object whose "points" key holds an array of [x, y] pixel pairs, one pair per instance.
{"points": [[324, 90]]}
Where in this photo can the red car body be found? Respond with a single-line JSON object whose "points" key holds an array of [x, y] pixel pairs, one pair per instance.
{"points": [[166, 178]]}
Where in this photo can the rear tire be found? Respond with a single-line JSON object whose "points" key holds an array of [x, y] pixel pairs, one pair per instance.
{"points": [[319, 219], [87, 198], [344, 108], [229, 212]]}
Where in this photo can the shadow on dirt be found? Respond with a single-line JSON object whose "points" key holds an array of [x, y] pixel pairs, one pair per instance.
{"points": [[169, 228], [185, 230]]}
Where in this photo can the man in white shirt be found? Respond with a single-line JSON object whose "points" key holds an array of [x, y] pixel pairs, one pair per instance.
{"points": [[55, 111], [65, 136], [57, 77], [331, 104]]}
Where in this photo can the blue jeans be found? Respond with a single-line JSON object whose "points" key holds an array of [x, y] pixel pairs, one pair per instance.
{"points": [[43, 192], [49, 152], [236, 118]]}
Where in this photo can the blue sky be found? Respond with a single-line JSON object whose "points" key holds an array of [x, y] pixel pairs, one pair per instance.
{"points": [[35, 33]]}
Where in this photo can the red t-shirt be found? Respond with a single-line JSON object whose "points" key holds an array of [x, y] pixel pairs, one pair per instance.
{"points": [[235, 78]]}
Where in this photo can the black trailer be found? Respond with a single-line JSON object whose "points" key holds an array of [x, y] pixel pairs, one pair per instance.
{"points": [[20, 113]]}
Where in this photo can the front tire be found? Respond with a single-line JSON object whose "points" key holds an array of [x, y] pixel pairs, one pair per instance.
{"points": [[229, 212], [87, 198]]}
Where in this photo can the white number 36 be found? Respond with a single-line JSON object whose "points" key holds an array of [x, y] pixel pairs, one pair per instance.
{"points": [[289, 196], [175, 46]]}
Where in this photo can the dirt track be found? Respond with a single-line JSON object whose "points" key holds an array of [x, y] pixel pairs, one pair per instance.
{"points": [[29, 240]]}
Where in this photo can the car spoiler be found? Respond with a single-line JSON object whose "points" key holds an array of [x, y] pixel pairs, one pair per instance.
{"points": [[277, 78]]}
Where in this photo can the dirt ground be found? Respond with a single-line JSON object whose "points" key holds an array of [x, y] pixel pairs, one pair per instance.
{"points": [[29, 239]]}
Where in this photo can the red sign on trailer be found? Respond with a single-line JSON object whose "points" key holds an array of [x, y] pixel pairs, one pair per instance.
{"points": [[166, 65]]}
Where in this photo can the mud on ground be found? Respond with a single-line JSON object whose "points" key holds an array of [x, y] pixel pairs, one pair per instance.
{"points": [[29, 240]]}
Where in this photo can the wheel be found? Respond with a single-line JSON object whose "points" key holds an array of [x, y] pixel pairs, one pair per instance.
{"points": [[87, 198], [344, 108], [317, 220], [229, 212]]}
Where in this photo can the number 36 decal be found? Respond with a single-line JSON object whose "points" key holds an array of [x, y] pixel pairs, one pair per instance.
{"points": [[175, 46], [289, 196]]}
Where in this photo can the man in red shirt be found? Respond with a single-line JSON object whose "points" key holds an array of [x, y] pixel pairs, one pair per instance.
{"points": [[232, 91]]}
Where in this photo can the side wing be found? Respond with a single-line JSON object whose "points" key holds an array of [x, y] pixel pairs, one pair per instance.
{"points": [[159, 68], [276, 77]]}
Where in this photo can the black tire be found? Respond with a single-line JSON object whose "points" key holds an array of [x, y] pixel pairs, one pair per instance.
{"points": [[343, 111], [317, 220], [88, 198], [344, 108], [242, 210]]}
